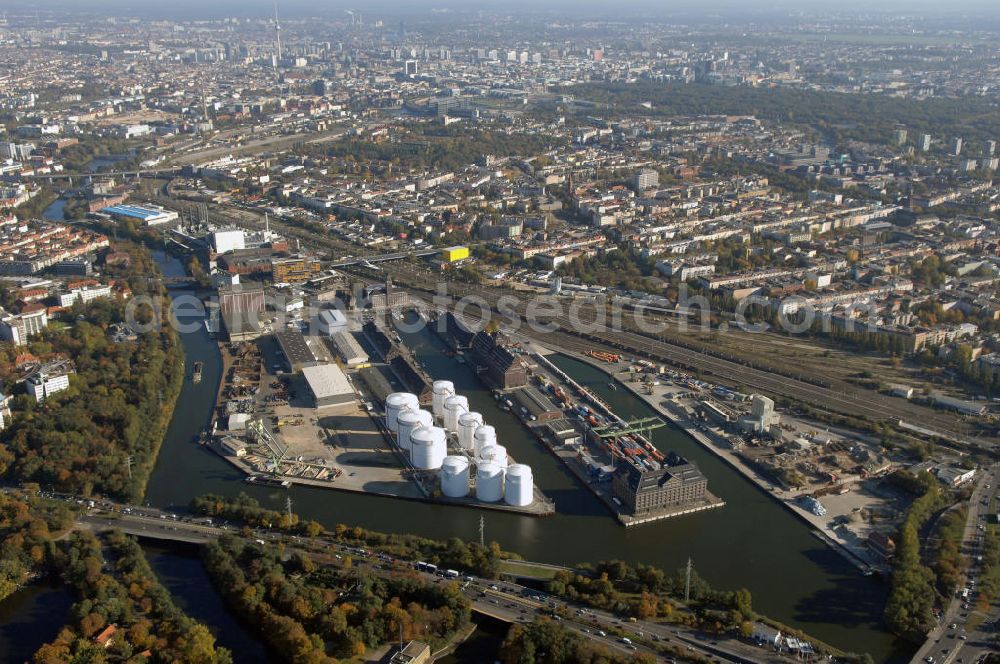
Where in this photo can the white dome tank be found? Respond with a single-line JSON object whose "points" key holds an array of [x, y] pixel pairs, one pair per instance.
{"points": [[455, 477], [440, 390], [396, 402], [489, 482], [407, 421], [468, 422], [428, 446], [518, 485], [483, 436], [454, 406], [493, 454]]}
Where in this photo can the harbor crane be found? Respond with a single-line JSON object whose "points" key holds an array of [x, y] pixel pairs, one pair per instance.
{"points": [[642, 426], [263, 438]]}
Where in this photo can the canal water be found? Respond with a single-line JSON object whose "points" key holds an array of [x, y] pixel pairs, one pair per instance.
{"points": [[179, 568], [30, 618], [482, 646], [752, 542], [54, 212]]}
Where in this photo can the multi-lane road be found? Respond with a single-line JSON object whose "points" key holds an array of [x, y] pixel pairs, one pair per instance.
{"points": [[503, 600], [952, 641]]}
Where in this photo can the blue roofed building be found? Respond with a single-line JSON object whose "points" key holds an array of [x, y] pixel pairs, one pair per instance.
{"points": [[147, 215]]}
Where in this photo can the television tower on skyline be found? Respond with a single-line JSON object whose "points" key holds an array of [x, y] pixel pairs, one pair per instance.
{"points": [[277, 36]]}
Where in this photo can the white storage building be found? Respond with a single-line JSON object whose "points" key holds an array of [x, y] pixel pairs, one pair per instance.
{"points": [[328, 385]]}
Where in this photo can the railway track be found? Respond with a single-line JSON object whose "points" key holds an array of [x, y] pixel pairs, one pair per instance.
{"points": [[869, 405]]}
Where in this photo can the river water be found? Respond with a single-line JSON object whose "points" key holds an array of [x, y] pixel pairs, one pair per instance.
{"points": [[178, 567], [54, 212], [752, 541], [30, 618]]}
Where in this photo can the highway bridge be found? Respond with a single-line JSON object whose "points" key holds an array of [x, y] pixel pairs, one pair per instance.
{"points": [[503, 600], [506, 601], [87, 177]]}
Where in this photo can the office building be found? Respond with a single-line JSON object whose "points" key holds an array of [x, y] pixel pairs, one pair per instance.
{"points": [[16, 151], [294, 270], [16, 328], [924, 142], [956, 146], [381, 297], [49, 379], [85, 294], [645, 179]]}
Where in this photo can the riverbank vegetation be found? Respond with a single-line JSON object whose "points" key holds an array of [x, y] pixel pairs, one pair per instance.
{"points": [[26, 547], [909, 610], [123, 611], [101, 435], [452, 553], [314, 613], [35, 206]]}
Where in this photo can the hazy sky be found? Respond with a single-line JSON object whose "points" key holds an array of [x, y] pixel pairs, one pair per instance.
{"points": [[201, 8]]}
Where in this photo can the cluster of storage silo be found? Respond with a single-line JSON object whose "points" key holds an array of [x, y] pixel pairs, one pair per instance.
{"points": [[396, 403], [424, 435], [415, 431], [440, 390], [408, 421]]}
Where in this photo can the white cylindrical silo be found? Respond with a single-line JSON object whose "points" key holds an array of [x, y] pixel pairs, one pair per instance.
{"points": [[518, 485], [493, 454], [489, 482], [440, 390], [483, 436], [455, 476], [454, 406], [428, 447], [396, 402], [407, 421], [467, 424]]}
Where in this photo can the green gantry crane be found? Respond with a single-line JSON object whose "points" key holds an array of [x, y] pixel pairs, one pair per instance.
{"points": [[641, 426]]}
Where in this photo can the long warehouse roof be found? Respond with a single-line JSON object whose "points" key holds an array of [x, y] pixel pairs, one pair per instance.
{"points": [[327, 380]]}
